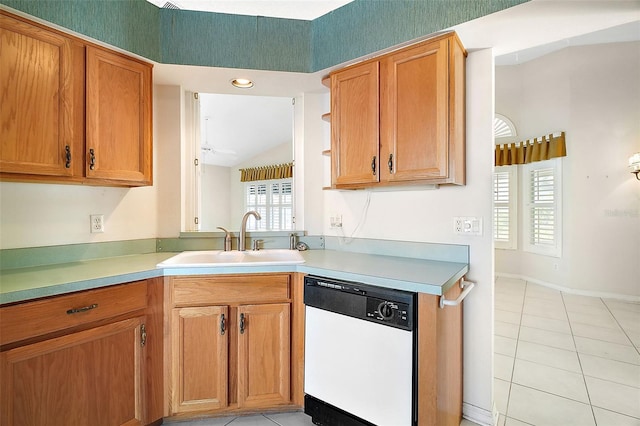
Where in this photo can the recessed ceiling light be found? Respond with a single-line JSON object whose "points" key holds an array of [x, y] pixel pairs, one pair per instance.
{"points": [[242, 83]]}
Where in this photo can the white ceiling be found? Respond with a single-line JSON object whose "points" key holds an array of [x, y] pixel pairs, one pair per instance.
{"points": [[306, 10], [237, 128]]}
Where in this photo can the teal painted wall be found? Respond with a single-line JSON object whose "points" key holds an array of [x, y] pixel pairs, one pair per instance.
{"points": [[132, 25], [234, 41], [366, 26]]}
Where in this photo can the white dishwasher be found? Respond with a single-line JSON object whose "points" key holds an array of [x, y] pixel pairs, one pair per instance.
{"points": [[360, 354]]}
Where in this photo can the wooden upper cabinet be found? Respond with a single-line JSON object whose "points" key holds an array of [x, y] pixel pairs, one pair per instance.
{"points": [[118, 144], [72, 112], [355, 131], [38, 115], [420, 117], [415, 113]]}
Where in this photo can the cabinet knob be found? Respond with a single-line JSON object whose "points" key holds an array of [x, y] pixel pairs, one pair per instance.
{"points": [[92, 159], [67, 156], [373, 165]]}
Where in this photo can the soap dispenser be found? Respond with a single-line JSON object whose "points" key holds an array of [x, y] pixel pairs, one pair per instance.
{"points": [[293, 241]]}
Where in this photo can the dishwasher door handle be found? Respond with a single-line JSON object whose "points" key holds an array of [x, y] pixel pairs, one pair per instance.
{"points": [[467, 286]]}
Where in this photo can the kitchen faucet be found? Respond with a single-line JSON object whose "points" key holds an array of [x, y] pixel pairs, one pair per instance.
{"points": [[243, 229]]}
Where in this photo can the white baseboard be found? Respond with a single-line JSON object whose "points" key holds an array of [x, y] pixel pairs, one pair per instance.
{"points": [[601, 294], [477, 415]]}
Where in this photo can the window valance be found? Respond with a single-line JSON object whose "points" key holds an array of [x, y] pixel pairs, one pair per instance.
{"points": [[276, 171], [529, 151]]}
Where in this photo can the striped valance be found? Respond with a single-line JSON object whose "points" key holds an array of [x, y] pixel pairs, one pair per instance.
{"points": [[529, 151], [277, 171]]}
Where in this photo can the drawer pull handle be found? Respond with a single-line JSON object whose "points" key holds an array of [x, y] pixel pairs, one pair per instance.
{"points": [[373, 165], [241, 323], [223, 325], [83, 309], [92, 159]]}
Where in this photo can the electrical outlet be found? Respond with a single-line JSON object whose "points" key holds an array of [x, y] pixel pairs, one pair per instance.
{"points": [[468, 225], [457, 225], [336, 221], [97, 223]]}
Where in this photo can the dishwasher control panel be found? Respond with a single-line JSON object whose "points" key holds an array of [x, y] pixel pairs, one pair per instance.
{"points": [[390, 307], [388, 311]]}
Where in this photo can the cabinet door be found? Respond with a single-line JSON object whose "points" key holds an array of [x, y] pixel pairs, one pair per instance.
{"points": [[199, 359], [355, 135], [93, 377], [118, 143], [37, 97], [415, 113], [263, 355]]}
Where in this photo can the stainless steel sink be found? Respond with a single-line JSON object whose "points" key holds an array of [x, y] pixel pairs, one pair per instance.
{"points": [[217, 258]]}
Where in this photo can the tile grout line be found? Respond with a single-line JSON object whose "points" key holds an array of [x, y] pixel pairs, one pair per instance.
{"points": [[515, 355], [621, 327], [584, 379]]}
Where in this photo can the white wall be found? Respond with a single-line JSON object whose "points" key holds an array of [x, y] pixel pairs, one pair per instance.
{"points": [[592, 93], [47, 215], [427, 216], [167, 140], [310, 162], [216, 199]]}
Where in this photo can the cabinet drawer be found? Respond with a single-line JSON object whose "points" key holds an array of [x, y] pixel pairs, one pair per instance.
{"points": [[224, 289], [31, 319]]}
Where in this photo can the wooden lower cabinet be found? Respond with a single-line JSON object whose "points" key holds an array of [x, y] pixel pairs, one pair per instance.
{"points": [[264, 355], [90, 377], [200, 358], [235, 355], [105, 368], [439, 360]]}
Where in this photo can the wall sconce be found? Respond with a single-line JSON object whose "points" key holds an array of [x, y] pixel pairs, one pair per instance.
{"points": [[634, 164]]}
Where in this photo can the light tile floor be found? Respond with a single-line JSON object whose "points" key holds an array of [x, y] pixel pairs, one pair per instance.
{"points": [[284, 419], [562, 359], [280, 419]]}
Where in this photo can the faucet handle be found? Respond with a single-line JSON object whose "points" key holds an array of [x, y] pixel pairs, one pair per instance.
{"points": [[256, 244], [227, 239]]}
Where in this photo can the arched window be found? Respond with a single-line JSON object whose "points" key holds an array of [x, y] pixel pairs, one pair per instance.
{"points": [[503, 127]]}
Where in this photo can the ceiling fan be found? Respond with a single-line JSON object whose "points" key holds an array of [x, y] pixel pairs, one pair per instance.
{"points": [[210, 149]]}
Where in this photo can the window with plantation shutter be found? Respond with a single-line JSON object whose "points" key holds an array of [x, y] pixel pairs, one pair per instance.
{"points": [[504, 207], [542, 219], [273, 200]]}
